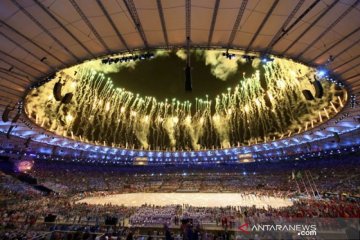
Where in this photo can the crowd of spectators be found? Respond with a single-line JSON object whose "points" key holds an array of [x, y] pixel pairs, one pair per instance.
{"points": [[320, 190], [12, 188], [70, 216], [154, 215], [337, 176]]}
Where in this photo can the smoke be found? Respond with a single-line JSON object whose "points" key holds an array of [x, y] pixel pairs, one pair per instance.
{"points": [[98, 66], [142, 127], [162, 53], [181, 54], [221, 67], [221, 126], [169, 126], [256, 63], [195, 131], [47, 112]]}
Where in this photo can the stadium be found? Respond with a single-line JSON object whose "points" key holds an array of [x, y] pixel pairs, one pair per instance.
{"points": [[179, 119]]}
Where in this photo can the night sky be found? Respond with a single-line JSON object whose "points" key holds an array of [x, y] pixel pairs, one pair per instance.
{"points": [[163, 77]]}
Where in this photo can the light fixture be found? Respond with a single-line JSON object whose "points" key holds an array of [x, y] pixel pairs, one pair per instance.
{"points": [[266, 59], [321, 72]]}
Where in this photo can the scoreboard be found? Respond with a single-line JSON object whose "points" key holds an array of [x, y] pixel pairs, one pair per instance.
{"points": [[140, 161], [245, 158]]}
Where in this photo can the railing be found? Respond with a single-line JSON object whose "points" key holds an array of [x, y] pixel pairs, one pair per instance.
{"points": [[42, 236]]}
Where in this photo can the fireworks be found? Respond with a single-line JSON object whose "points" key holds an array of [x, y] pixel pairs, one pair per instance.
{"points": [[263, 106]]}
